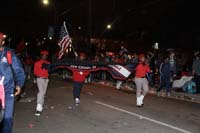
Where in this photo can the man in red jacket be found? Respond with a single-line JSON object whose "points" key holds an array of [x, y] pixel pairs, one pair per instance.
{"points": [[140, 80], [42, 80]]}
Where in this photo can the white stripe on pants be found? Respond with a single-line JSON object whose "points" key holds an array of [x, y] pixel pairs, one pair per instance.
{"points": [[142, 86], [42, 86]]}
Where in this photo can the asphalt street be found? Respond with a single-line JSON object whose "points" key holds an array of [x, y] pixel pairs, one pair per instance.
{"points": [[103, 110]]}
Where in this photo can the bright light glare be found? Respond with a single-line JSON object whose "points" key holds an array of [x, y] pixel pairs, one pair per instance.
{"points": [[45, 2], [109, 26]]}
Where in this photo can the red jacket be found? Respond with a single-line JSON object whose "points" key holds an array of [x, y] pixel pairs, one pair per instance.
{"points": [[79, 75], [38, 71], [142, 70]]}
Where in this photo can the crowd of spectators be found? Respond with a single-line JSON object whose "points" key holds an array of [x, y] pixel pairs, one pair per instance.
{"points": [[167, 68]]}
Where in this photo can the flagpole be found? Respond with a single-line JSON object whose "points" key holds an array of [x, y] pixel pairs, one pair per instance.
{"points": [[65, 26]]}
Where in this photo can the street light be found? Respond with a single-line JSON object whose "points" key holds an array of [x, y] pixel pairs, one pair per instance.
{"points": [[45, 2], [109, 26], [79, 27], [50, 38]]}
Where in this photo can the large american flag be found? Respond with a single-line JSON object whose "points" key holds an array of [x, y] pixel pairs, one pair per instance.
{"points": [[65, 41]]}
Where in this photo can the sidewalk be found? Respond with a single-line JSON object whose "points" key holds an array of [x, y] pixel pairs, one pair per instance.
{"points": [[174, 95]]}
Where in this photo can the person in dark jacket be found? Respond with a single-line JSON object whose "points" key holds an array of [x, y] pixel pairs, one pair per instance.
{"points": [[172, 63], [14, 78], [196, 71], [165, 75]]}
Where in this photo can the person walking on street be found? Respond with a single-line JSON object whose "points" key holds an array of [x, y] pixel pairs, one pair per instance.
{"points": [[79, 77], [141, 80], [42, 79], [11, 71]]}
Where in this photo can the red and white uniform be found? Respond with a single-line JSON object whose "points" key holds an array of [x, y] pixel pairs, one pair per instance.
{"points": [[39, 71], [79, 75]]}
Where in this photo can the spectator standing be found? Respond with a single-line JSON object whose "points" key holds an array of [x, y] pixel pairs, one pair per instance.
{"points": [[165, 75], [123, 50], [172, 63], [196, 72]]}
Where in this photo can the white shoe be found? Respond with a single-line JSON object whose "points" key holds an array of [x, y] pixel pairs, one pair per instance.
{"points": [[118, 88], [39, 107], [77, 101], [141, 99], [38, 113], [168, 94], [138, 102]]}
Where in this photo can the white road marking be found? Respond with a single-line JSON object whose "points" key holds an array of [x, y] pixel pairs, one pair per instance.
{"points": [[143, 117]]}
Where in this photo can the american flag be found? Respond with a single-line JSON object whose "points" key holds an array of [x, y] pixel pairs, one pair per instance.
{"points": [[65, 41]]}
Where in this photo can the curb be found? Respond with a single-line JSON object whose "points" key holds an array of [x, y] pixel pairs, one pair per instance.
{"points": [[195, 98]]}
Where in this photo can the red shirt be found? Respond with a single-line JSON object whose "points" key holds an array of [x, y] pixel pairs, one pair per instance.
{"points": [[142, 70], [38, 71], [79, 75]]}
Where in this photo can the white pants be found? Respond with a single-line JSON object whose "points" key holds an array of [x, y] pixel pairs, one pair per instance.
{"points": [[42, 86], [142, 86]]}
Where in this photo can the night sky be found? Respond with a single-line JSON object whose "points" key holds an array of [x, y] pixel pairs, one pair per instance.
{"points": [[170, 22]]}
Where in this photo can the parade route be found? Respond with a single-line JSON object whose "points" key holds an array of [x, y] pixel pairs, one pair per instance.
{"points": [[103, 110], [143, 117]]}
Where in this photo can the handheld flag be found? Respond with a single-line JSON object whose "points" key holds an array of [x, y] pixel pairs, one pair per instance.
{"points": [[64, 42]]}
